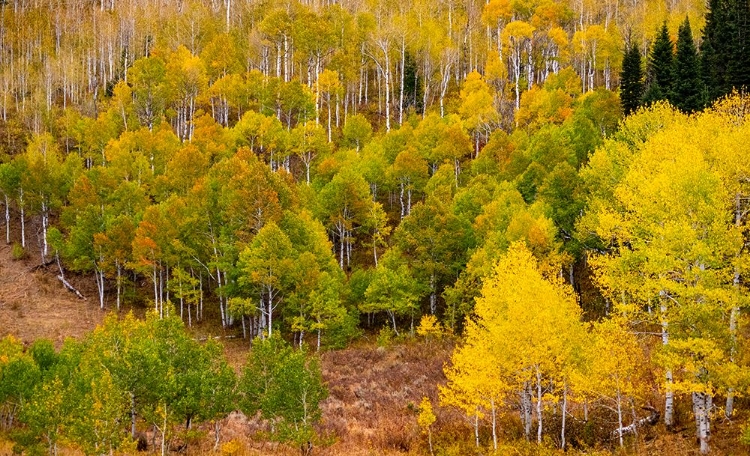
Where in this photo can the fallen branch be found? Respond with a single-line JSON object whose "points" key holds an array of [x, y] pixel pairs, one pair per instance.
{"points": [[203, 339], [651, 420], [70, 287]]}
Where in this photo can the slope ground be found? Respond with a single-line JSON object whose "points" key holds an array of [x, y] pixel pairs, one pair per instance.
{"points": [[35, 304], [374, 391]]}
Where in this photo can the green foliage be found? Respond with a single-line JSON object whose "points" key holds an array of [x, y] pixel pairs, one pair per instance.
{"points": [[659, 74], [342, 332], [385, 337], [724, 56], [357, 132], [285, 386], [91, 393], [631, 80], [17, 251], [687, 90], [393, 290]]}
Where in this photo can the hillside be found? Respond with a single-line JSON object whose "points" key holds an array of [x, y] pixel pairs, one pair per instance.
{"points": [[34, 304], [369, 409], [538, 208], [373, 390]]}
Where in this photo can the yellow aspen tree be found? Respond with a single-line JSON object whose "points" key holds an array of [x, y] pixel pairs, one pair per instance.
{"points": [[521, 339], [672, 247], [328, 85], [517, 46], [612, 376], [426, 419]]}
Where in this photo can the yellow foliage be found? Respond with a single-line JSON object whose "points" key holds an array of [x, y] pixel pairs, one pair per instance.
{"points": [[429, 327], [526, 327], [670, 213], [231, 448], [426, 416]]}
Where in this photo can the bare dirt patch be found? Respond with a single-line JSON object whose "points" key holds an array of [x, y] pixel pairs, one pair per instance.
{"points": [[34, 304]]}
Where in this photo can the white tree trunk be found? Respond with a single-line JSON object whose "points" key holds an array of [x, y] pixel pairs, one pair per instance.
{"points": [[564, 414], [45, 222], [476, 428], [494, 424], [538, 405], [401, 94], [23, 219], [669, 394], [7, 220], [619, 417], [702, 409]]}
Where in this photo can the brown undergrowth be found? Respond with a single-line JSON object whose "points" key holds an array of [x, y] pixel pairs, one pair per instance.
{"points": [[374, 391], [34, 304]]}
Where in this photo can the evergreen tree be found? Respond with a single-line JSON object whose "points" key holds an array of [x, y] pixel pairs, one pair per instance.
{"points": [[686, 91], [659, 74], [725, 51], [738, 65], [631, 80], [714, 50]]}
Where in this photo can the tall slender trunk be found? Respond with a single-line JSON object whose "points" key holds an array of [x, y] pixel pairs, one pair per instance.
{"points": [[7, 220], [734, 312], [132, 416], [23, 218], [564, 415], [526, 409], [221, 300], [619, 417], [155, 279], [408, 200], [341, 233], [393, 321], [701, 408], [669, 394], [119, 282], [99, 277], [270, 311], [476, 428], [401, 200], [401, 94], [538, 405], [45, 221], [164, 433], [494, 423]]}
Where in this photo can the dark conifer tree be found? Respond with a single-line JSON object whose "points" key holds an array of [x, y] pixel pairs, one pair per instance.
{"points": [[725, 48], [687, 90], [714, 53], [631, 80], [659, 73], [738, 67]]}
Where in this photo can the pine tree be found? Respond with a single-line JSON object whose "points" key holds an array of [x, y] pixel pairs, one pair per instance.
{"points": [[686, 91], [738, 66], [725, 51], [631, 80], [713, 50], [659, 74]]}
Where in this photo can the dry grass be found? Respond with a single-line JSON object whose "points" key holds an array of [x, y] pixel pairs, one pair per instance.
{"points": [[373, 396], [34, 304], [371, 409]]}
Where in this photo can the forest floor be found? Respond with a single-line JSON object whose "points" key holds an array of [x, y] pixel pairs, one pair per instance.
{"points": [[35, 304], [374, 391]]}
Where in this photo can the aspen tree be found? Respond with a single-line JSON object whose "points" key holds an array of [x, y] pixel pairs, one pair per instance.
{"points": [[537, 316], [674, 245]]}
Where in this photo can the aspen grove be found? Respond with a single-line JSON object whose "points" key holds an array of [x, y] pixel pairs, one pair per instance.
{"points": [[558, 188]]}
